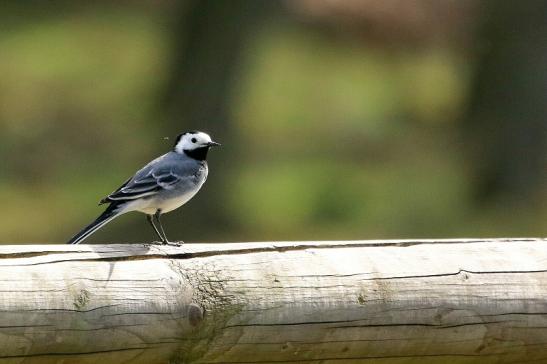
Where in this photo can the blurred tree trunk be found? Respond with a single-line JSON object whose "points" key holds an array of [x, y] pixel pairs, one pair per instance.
{"points": [[508, 116], [209, 40]]}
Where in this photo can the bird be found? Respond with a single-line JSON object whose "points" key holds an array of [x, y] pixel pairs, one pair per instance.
{"points": [[163, 185]]}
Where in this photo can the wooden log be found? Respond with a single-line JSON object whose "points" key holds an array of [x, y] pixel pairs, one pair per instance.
{"points": [[426, 301]]}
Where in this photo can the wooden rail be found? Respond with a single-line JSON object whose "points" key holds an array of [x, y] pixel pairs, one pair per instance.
{"points": [[418, 301]]}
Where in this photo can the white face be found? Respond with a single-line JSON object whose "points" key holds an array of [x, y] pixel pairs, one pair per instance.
{"points": [[191, 141]]}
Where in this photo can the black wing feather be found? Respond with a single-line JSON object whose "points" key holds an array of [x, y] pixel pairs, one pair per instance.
{"points": [[147, 185]]}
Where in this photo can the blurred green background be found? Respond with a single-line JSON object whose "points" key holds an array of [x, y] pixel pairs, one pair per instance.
{"points": [[355, 119]]}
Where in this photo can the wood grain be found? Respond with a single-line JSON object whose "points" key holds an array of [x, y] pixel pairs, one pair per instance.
{"points": [[403, 301]]}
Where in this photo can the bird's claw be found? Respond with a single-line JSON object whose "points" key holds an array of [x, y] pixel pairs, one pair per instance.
{"points": [[174, 243]]}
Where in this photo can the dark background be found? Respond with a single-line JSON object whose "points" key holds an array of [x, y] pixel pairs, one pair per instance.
{"points": [[353, 119]]}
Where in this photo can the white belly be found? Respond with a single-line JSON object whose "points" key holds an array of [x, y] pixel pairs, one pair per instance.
{"points": [[150, 206]]}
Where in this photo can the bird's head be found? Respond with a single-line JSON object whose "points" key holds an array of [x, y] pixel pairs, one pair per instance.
{"points": [[195, 144]]}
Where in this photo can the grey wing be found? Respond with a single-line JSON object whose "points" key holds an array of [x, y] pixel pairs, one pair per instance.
{"points": [[149, 181]]}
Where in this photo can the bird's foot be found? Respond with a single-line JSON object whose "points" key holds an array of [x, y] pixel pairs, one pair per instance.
{"points": [[174, 243]]}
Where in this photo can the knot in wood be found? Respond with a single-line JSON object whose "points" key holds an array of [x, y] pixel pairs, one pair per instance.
{"points": [[195, 314]]}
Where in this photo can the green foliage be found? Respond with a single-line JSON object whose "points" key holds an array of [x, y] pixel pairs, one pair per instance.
{"points": [[334, 139]]}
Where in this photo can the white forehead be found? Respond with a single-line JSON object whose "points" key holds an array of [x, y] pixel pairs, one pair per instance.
{"points": [[200, 137]]}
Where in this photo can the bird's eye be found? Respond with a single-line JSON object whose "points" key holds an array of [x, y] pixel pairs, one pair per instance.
{"points": [[194, 140]]}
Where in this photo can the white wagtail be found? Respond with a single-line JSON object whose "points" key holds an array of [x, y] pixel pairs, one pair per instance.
{"points": [[163, 185]]}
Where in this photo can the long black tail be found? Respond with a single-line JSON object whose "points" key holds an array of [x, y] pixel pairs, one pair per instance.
{"points": [[111, 212]]}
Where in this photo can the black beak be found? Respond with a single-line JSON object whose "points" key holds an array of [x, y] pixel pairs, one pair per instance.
{"points": [[213, 144]]}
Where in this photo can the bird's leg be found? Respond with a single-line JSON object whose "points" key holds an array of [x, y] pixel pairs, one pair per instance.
{"points": [[151, 221], [164, 237]]}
